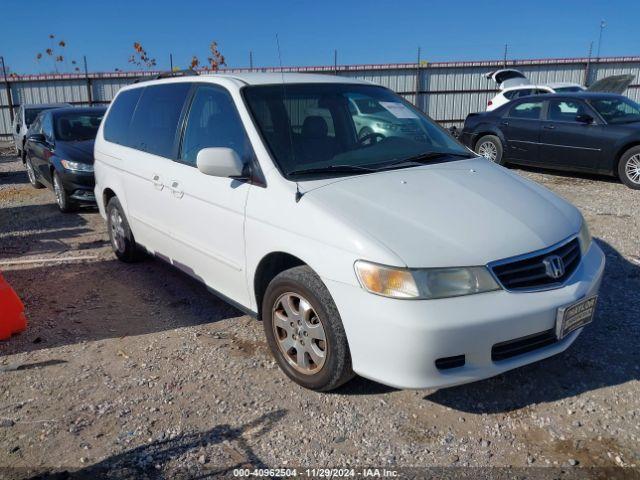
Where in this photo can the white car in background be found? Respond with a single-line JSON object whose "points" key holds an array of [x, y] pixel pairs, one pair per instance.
{"points": [[514, 84]]}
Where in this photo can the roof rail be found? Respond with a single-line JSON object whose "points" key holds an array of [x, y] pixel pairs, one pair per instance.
{"points": [[169, 74]]}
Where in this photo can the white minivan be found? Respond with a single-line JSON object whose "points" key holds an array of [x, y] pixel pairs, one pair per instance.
{"points": [[407, 260]]}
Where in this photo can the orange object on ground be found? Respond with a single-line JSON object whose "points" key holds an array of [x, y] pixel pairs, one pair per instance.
{"points": [[12, 319]]}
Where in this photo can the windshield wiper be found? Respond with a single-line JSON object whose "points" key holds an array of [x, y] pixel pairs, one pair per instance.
{"points": [[423, 158], [333, 169]]}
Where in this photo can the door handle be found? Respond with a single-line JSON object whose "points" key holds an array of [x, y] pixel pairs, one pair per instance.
{"points": [[504, 124], [175, 189], [549, 127], [157, 182]]}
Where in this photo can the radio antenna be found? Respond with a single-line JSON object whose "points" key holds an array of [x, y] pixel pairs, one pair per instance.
{"points": [[284, 94]]}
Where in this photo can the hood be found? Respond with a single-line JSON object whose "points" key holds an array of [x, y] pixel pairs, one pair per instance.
{"points": [[461, 213], [76, 151], [613, 84], [508, 77]]}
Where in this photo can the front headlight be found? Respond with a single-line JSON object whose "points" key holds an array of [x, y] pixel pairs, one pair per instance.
{"points": [[76, 166], [424, 283], [584, 237]]}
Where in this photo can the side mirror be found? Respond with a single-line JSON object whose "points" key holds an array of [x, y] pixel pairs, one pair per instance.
{"points": [[37, 137], [584, 118], [220, 162]]}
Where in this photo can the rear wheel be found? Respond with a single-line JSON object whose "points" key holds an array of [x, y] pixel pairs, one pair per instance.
{"points": [[122, 241], [629, 168], [31, 173], [490, 147], [304, 330], [65, 204]]}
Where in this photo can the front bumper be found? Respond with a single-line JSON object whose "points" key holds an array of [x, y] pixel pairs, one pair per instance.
{"points": [[396, 342], [79, 185]]}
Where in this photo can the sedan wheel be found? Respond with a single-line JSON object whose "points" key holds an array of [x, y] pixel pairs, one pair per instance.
{"points": [[65, 204], [488, 150], [629, 168], [300, 335], [632, 168]]}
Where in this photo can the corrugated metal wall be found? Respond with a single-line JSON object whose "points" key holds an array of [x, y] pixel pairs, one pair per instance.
{"points": [[447, 92]]}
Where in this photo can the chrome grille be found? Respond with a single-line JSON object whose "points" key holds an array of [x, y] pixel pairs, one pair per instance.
{"points": [[530, 271]]}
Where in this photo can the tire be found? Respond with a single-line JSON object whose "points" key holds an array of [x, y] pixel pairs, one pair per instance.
{"points": [[629, 168], [491, 148], [63, 200], [121, 238], [303, 327], [31, 173]]}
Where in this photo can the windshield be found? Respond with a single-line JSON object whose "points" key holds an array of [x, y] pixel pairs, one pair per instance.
{"points": [[617, 110], [76, 127], [313, 129], [30, 115]]}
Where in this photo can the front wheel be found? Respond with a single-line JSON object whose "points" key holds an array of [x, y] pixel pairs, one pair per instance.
{"points": [[490, 147], [629, 168], [304, 330], [65, 204]]}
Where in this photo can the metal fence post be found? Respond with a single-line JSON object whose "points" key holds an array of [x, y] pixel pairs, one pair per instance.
{"points": [[8, 87], [86, 75]]}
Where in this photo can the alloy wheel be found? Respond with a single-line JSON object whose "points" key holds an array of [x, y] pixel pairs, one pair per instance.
{"points": [[632, 168], [488, 150], [116, 225], [299, 333], [57, 188]]}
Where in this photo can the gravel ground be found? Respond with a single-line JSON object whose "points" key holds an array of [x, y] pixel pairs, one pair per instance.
{"points": [[136, 371]]}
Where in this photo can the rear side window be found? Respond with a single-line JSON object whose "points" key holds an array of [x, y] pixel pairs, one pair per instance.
{"points": [[116, 126], [154, 127], [530, 110]]}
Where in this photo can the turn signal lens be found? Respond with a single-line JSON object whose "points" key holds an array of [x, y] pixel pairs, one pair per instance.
{"points": [[584, 237], [386, 281], [426, 283]]}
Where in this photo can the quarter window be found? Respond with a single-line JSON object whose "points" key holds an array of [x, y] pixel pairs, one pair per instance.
{"points": [[529, 110], [155, 122], [213, 121]]}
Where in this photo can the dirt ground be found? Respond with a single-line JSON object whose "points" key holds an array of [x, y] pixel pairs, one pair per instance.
{"points": [[136, 371]]}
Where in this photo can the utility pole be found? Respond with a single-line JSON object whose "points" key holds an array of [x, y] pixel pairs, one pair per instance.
{"points": [[171, 62], [588, 66], [8, 87], [86, 76], [335, 61], [250, 59], [506, 50], [602, 25]]}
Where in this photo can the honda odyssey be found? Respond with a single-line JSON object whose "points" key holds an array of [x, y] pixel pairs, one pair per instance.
{"points": [[408, 260]]}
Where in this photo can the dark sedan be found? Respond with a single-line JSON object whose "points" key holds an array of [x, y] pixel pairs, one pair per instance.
{"points": [[59, 154], [583, 132]]}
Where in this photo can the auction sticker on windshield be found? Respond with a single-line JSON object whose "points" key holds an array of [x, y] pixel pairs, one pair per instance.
{"points": [[398, 110], [574, 316]]}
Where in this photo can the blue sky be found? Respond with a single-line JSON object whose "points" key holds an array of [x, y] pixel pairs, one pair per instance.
{"points": [[362, 31]]}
